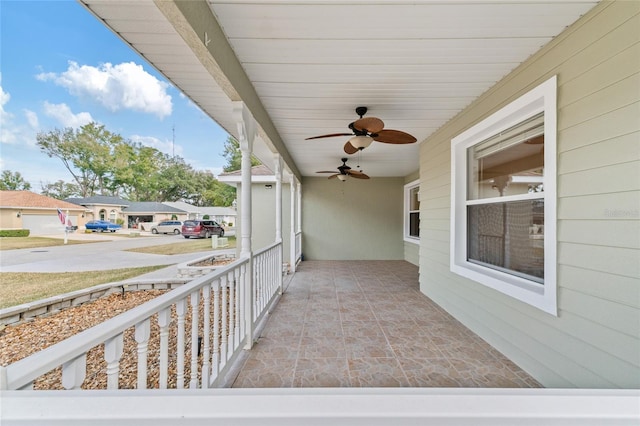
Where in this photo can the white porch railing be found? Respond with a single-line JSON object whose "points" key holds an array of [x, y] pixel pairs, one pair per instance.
{"points": [[267, 276], [203, 320]]}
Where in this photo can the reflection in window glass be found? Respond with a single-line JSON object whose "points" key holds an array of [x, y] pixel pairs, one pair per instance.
{"points": [[511, 163], [508, 237]]}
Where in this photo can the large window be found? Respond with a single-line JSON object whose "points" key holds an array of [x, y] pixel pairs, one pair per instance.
{"points": [[503, 200], [412, 212]]}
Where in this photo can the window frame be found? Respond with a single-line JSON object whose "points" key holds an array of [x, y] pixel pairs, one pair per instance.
{"points": [[542, 98], [407, 211]]}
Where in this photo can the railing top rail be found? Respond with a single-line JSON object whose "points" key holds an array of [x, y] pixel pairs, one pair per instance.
{"points": [[22, 372]]}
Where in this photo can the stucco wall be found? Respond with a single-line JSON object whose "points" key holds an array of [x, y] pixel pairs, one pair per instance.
{"points": [[594, 341], [356, 219]]}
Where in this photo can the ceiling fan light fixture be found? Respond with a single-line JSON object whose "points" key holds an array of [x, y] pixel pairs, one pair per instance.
{"points": [[361, 142], [342, 177]]}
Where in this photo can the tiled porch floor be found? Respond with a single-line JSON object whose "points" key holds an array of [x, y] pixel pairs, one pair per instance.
{"points": [[365, 324]]}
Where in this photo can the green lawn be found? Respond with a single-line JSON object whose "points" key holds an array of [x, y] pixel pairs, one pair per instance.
{"points": [[14, 243], [189, 246], [22, 287]]}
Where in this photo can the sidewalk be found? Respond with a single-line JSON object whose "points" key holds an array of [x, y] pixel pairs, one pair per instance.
{"points": [[108, 252]]}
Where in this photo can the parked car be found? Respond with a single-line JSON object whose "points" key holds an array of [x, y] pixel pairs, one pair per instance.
{"points": [[102, 226], [167, 227], [201, 228]]}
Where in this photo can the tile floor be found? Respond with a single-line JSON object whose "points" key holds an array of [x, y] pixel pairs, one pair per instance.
{"points": [[365, 324]]}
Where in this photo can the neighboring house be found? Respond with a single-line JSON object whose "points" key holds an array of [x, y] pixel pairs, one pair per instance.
{"points": [[224, 215], [193, 212], [102, 207], [143, 214], [37, 213]]}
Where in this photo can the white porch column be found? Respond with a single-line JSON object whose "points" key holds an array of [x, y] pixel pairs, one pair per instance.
{"points": [[299, 207], [292, 242], [278, 172], [246, 136]]}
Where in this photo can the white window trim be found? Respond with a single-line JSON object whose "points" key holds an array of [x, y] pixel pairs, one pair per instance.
{"points": [[407, 208], [540, 99]]}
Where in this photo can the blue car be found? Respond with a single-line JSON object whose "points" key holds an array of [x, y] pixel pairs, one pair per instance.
{"points": [[102, 226]]}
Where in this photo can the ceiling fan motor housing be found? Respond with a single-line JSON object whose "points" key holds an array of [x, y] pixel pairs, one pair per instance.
{"points": [[361, 110]]}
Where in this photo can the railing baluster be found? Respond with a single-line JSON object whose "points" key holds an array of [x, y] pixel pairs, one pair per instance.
{"points": [[164, 317], [224, 319], [241, 305], [142, 334], [74, 372], [181, 307], [195, 347], [216, 328], [112, 354], [232, 312], [206, 366], [236, 278]]}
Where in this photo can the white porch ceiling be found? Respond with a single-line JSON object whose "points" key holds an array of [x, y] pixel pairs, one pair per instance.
{"points": [[414, 64]]}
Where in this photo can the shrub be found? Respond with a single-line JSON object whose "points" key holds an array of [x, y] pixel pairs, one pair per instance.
{"points": [[14, 232], [205, 217]]}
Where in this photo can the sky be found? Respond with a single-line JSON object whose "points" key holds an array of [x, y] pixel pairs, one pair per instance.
{"points": [[60, 67]]}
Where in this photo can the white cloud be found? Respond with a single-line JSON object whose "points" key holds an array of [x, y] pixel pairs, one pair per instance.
{"points": [[32, 118], [63, 114], [123, 86], [165, 146], [10, 132]]}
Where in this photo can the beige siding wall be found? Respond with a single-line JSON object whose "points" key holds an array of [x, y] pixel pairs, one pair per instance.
{"points": [[595, 340], [352, 220]]}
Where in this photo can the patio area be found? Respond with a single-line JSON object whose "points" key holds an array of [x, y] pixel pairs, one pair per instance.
{"points": [[366, 324]]}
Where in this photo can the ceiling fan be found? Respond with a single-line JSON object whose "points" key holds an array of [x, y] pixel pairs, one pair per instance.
{"points": [[344, 171], [366, 130]]}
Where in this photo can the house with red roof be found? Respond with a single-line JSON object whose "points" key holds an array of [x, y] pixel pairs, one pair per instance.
{"points": [[37, 213]]}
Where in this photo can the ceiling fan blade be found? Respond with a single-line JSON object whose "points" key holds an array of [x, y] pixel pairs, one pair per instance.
{"points": [[332, 135], [357, 175], [394, 137], [350, 149], [370, 124], [334, 176]]}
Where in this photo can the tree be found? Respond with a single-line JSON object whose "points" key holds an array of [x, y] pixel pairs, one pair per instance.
{"points": [[60, 190], [86, 153], [233, 154], [13, 181], [208, 191]]}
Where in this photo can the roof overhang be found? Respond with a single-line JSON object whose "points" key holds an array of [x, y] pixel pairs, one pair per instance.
{"points": [[301, 68]]}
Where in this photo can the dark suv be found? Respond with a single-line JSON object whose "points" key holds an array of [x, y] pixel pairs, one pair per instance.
{"points": [[200, 228]]}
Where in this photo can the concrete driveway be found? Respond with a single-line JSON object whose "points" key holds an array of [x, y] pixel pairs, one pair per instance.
{"points": [[108, 252]]}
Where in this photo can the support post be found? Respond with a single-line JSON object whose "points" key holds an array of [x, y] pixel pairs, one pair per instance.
{"points": [[292, 241], [278, 164], [246, 135]]}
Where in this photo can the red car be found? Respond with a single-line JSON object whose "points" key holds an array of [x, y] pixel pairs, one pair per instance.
{"points": [[200, 228]]}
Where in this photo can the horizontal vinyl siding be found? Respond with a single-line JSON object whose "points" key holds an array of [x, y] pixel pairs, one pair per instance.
{"points": [[412, 253], [595, 340]]}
